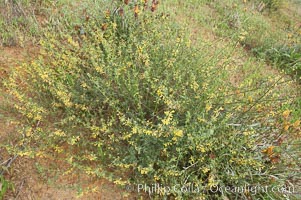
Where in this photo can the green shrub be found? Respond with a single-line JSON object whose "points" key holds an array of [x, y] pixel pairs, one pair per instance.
{"points": [[273, 4], [287, 58], [129, 99]]}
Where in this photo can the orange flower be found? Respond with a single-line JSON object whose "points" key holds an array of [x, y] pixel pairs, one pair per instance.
{"points": [[154, 5], [136, 10], [104, 26], [269, 151], [145, 4]]}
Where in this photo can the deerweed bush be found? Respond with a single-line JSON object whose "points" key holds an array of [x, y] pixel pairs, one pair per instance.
{"points": [[129, 94]]}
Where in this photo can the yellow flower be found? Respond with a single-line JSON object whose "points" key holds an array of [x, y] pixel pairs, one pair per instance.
{"points": [[120, 182], [144, 170], [296, 124], [40, 154], [160, 93], [250, 99], [205, 170], [211, 182], [286, 113], [168, 118], [28, 132], [194, 86], [114, 25], [72, 42], [58, 149], [286, 126], [92, 157], [208, 107], [178, 133], [84, 85], [59, 133], [201, 148]]}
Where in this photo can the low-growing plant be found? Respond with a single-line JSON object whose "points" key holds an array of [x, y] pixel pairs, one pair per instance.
{"points": [[130, 99], [252, 29], [287, 58], [273, 4], [5, 185], [18, 21]]}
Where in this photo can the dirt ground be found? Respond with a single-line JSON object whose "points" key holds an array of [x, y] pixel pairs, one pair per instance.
{"points": [[31, 181]]}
